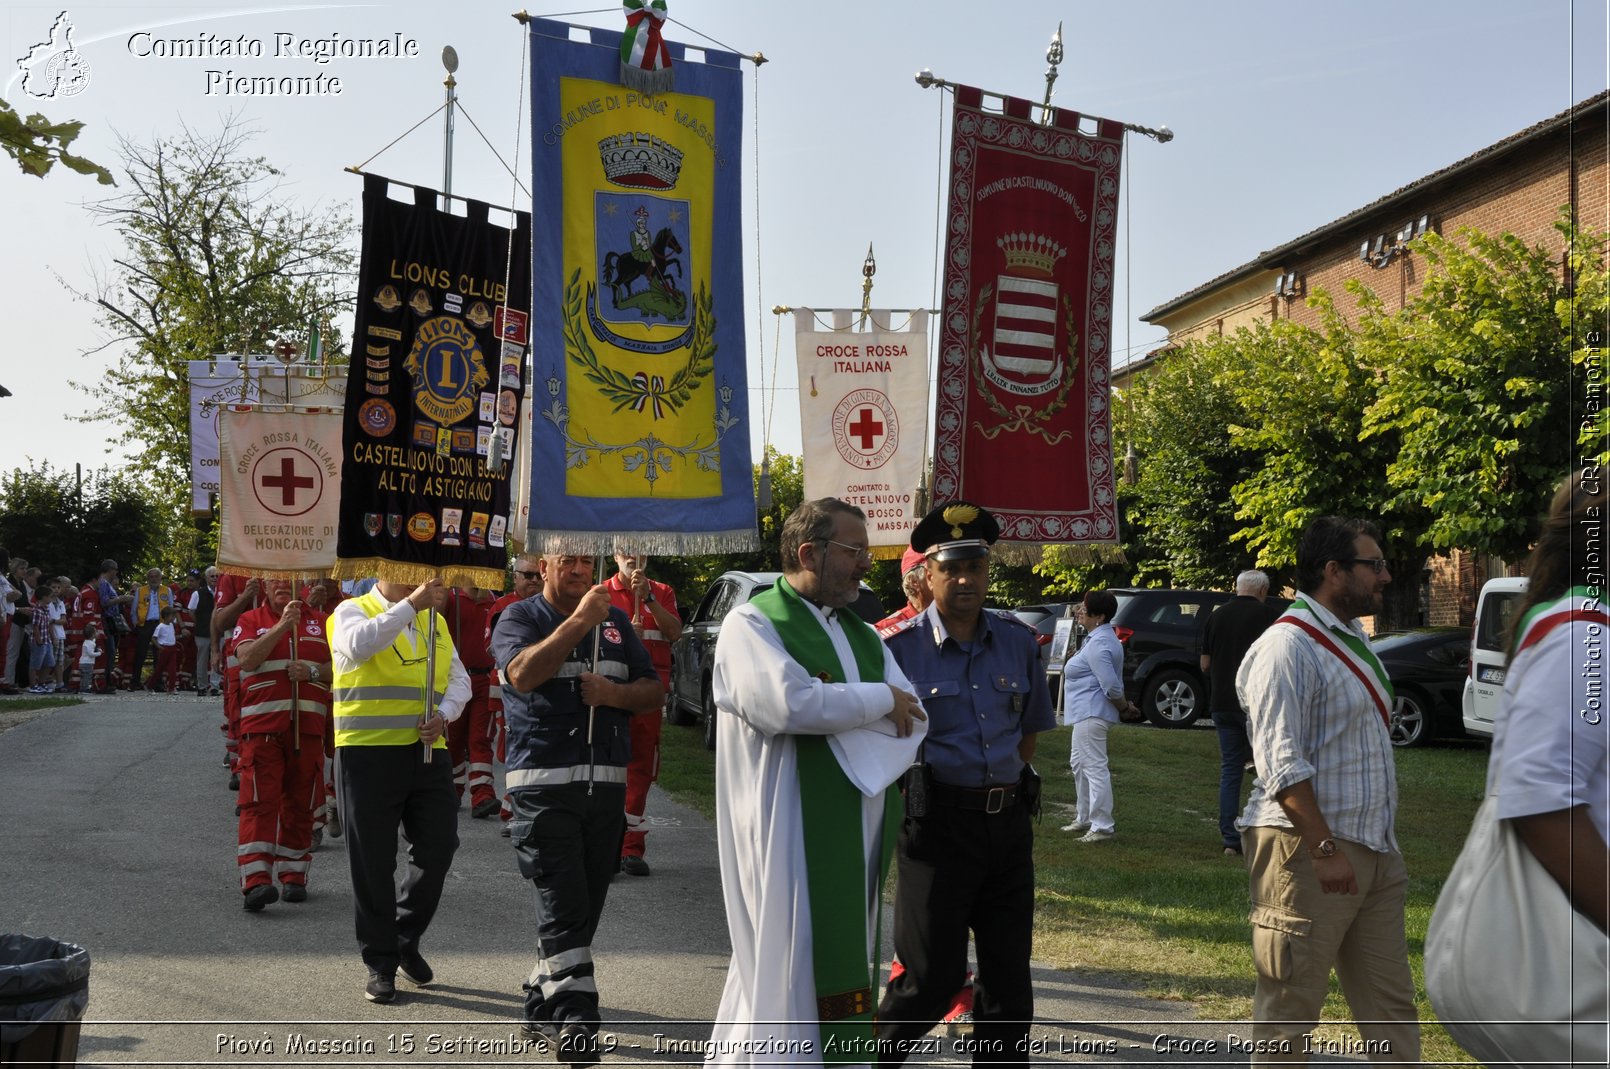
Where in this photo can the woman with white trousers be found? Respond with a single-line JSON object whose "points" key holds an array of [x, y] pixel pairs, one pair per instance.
{"points": [[1093, 697]]}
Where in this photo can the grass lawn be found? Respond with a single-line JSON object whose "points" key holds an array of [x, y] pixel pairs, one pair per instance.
{"points": [[1160, 908]]}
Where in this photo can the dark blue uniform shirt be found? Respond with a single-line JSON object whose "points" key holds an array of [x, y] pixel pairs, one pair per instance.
{"points": [[981, 700]]}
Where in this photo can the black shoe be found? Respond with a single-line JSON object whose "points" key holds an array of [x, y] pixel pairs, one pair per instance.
{"points": [[543, 1030], [416, 969], [294, 892], [504, 831], [234, 781], [634, 865], [261, 895], [485, 808], [578, 1045], [380, 988]]}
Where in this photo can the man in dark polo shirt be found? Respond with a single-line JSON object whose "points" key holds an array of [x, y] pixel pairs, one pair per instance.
{"points": [[1230, 632]]}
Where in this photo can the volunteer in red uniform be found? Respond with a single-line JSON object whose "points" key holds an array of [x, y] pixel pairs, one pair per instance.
{"points": [[527, 581], [235, 595], [284, 662], [919, 595], [469, 738], [652, 607]]}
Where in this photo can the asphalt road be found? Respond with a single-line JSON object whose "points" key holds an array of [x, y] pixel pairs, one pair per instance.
{"points": [[118, 833]]}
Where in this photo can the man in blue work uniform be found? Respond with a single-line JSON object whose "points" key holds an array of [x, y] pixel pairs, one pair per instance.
{"points": [[574, 673], [966, 853]]}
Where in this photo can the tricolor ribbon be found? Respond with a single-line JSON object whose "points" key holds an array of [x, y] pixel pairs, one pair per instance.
{"points": [[645, 61], [649, 390]]}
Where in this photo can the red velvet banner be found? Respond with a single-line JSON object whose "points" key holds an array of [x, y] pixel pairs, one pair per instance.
{"points": [[1022, 421]]}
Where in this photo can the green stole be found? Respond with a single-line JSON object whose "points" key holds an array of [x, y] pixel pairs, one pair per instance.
{"points": [[835, 855]]}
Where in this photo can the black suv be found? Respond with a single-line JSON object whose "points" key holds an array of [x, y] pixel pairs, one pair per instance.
{"points": [[1162, 635], [693, 654]]}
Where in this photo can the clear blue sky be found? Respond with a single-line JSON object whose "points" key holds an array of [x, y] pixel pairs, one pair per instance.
{"points": [[1287, 116]]}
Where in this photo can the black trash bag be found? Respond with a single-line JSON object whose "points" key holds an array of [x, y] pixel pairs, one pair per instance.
{"points": [[42, 980]]}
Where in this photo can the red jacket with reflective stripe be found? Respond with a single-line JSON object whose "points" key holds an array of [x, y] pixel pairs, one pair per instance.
{"points": [[265, 694]]}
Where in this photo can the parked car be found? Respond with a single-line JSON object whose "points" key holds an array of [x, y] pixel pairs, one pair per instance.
{"points": [[1489, 652], [1162, 635], [1428, 667], [693, 654]]}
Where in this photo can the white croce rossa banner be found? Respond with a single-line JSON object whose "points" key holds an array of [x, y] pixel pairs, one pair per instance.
{"points": [[217, 383], [863, 413], [280, 490]]}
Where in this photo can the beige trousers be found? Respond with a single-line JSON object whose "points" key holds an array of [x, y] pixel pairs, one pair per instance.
{"points": [[1300, 933]]}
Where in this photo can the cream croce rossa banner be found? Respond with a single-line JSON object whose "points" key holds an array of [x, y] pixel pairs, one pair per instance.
{"points": [[863, 414]]}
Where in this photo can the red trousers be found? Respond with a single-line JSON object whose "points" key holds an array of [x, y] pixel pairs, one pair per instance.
{"points": [[280, 786], [469, 741], [641, 772], [231, 724], [167, 669]]}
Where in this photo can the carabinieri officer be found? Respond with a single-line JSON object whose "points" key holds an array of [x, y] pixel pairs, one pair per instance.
{"points": [[966, 853]]}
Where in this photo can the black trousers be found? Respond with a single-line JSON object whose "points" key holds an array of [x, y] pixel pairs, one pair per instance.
{"points": [[382, 788], [142, 646], [567, 842], [963, 870]]}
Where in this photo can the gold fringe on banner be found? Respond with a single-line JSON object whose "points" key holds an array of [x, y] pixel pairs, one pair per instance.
{"points": [[888, 552], [249, 572], [1072, 552], [653, 543], [390, 571]]}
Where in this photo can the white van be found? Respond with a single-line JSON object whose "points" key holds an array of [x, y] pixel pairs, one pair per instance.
{"points": [[1489, 652]]}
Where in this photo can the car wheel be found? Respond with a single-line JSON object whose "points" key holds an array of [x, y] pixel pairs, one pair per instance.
{"points": [[677, 713], [1409, 726], [709, 719], [1173, 698]]}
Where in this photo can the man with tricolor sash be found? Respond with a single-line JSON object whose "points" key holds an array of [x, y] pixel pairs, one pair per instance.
{"points": [[814, 721], [1327, 881]]}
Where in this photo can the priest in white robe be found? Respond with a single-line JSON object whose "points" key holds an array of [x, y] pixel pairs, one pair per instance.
{"points": [[794, 668]]}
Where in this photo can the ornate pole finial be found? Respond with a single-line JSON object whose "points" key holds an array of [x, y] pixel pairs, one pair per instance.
{"points": [[1053, 56], [869, 267]]}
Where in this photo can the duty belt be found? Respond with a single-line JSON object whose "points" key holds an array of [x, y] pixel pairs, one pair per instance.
{"points": [[987, 799]]}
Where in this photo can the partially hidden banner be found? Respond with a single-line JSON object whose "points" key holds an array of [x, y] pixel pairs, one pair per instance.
{"points": [[1022, 414], [640, 419], [434, 390], [217, 383], [280, 490], [863, 415]]}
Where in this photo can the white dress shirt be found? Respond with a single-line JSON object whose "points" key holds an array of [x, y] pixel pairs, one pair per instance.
{"points": [[355, 637]]}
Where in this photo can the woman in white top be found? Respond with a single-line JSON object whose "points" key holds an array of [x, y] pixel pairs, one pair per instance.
{"points": [[1092, 697]]}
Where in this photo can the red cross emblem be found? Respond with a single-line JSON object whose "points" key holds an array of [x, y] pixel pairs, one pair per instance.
{"points": [[287, 482], [865, 428]]}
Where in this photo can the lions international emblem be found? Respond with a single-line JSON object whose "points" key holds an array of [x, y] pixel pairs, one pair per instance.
{"points": [[448, 370], [1026, 355], [387, 300]]}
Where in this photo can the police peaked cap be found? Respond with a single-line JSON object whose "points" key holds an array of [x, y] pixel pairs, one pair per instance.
{"points": [[956, 531]]}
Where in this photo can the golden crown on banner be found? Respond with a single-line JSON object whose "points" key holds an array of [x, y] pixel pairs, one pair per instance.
{"points": [[1031, 252], [640, 161]]}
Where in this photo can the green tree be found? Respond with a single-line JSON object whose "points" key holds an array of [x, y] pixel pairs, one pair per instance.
{"points": [[37, 144], [67, 529], [214, 259], [1475, 385]]}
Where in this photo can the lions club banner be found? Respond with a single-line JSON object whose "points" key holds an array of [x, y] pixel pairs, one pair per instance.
{"points": [[1022, 421], [863, 414], [434, 391], [216, 384], [279, 495], [640, 432]]}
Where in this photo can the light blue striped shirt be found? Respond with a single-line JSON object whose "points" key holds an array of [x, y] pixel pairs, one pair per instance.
{"points": [[1094, 678], [1310, 718]]}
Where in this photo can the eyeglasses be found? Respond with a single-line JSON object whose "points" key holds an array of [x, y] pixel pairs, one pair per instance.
{"points": [[861, 552], [528, 575], [1378, 563]]}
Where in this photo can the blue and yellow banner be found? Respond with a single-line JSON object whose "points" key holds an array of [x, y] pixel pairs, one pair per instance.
{"points": [[640, 432]]}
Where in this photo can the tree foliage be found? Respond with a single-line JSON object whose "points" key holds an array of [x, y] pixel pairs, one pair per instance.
{"points": [[37, 144], [214, 258], [1475, 388], [66, 529]]}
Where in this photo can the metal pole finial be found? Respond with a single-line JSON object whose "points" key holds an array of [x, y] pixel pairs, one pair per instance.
{"points": [[1053, 56], [869, 267]]}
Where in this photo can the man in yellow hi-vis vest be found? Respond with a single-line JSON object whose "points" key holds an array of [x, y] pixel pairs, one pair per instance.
{"points": [[381, 653]]}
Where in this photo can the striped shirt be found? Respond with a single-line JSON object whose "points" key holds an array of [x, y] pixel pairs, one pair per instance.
{"points": [[1310, 716]]}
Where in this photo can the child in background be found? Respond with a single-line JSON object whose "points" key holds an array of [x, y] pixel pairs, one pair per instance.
{"points": [[42, 653], [88, 653], [59, 610], [167, 640]]}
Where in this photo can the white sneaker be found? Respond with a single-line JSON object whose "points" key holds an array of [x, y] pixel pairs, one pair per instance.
{"points": [[1097, 836], [1077, 827]]}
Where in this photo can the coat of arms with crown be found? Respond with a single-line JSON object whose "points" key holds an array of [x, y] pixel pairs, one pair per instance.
{"points": [[1026, 356]]}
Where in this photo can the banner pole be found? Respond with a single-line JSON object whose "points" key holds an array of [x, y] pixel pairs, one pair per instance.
{"points": [[430, 679], [296, 688], [592, 710]]}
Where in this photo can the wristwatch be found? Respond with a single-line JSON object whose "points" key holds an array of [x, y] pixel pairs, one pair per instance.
{"points": [[312, 673], [1323, 848]]}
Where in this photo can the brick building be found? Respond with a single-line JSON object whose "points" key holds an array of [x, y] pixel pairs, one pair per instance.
{"points": [[1517, 185]]}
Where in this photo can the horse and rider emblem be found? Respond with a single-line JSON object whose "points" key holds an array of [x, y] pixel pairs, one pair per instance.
{"points": [[642, 245]]}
